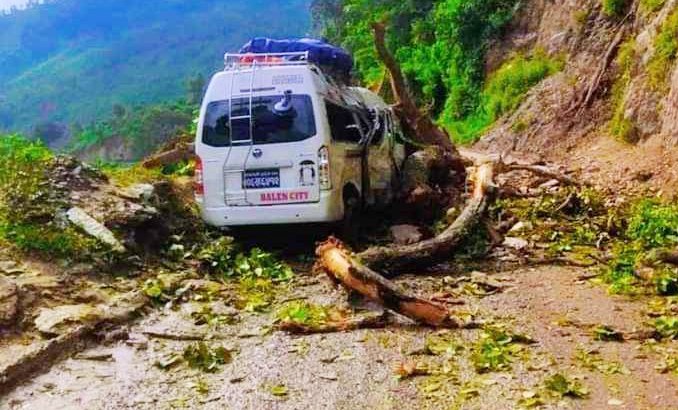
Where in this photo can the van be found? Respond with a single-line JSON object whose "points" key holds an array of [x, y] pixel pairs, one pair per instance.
{"points": [[280, 142]]}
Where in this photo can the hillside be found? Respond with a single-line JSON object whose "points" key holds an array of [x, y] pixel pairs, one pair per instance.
{"points": [[592, 83], [71, 61]]}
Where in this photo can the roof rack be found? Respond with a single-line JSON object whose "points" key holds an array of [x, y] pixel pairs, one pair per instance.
{"points": [[237, 61]]}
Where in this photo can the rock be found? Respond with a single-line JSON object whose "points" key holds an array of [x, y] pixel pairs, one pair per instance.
{"points": [[9, 299], [56, 321], [406, 234], [521, 226], [516, 243], [137, 192], [10, 267], [80, 218]]}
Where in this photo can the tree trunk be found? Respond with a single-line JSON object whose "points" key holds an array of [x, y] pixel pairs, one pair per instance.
{"points": [[422, 127], [395, 258], [340, 266]]}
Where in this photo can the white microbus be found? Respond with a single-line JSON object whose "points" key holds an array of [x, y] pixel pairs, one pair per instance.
{"points": [[279, 142]]}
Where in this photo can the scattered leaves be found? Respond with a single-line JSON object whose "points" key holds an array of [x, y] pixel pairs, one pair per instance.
{"points": [[562, 386]]}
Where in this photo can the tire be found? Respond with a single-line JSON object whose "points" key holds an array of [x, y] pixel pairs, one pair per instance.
{"points": [[350, 225]]}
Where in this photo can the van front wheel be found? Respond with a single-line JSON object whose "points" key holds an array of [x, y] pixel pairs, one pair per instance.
{"points": [[350, 225]]}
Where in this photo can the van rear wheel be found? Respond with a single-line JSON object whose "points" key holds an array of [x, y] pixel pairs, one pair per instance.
{"points": [[350, 225]]}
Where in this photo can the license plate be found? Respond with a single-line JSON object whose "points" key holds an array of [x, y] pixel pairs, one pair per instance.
{"points": [[262, 179]]}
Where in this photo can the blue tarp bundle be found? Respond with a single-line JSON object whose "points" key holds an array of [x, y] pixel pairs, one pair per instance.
{"points": [[319, 52]]}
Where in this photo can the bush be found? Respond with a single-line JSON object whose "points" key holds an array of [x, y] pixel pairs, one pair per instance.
{"points": [[665, 52], [504, 92], [614, 8], [440, 45], [29, 205], [223, 257], [22, 179], [653, 224]]}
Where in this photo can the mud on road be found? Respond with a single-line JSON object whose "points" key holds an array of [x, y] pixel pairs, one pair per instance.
{"points": [[555, 306]]}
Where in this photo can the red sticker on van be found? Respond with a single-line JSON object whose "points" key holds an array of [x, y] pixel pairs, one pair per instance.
{"points": [[284, 196]]}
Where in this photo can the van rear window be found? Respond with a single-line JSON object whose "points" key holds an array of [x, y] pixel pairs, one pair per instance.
{"points": [[275, 119]]}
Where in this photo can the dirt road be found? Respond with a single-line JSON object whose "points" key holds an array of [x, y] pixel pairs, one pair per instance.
{"points": [[554, 306]]}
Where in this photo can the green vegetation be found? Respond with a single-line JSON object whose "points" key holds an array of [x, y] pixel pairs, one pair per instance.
{"points": [[141, 128], [620, 126], [667, 327], [607, 334], [224, 258], [441, 46], [614, 8], [496, 349], [665, 52], [72, 61], [203, 357], [28, 206], [652, 226], [503, 93], [308, 315], [590, 359], [561, 386], [650, 6]]}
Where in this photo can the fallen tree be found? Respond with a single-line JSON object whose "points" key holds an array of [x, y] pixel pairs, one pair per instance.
{"points": [[395, 258], [338, 263]]}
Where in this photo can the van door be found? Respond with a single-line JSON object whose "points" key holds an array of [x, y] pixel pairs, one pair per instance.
{"points": [[386, 156], [272, 155]]}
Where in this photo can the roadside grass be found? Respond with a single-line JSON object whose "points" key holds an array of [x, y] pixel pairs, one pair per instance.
{"points": [[504, 91], [665, 53], [650, 6], [29, 206], [124, 175], [652, 226], [620, 126]]}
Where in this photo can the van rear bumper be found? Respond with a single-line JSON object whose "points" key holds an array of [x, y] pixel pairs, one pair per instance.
{"points": [[328, 209]]}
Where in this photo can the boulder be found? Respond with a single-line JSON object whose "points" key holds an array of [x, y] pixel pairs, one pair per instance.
{"points": [[516, 243], [56, 321], [80, 218], [9, 299], [406, 234]]}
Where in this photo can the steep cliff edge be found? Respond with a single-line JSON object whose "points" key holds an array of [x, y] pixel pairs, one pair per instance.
{"points": [[613, 110]]}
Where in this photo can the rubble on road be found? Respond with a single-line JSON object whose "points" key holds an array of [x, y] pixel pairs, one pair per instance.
{"points": [[56, 321], [9, 299]]}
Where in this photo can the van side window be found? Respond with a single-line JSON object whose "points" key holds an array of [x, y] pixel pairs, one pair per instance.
{"points": [[216, 132], [342, 124]]}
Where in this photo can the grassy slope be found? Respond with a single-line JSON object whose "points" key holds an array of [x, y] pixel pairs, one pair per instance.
{"points": [[143, 55]]}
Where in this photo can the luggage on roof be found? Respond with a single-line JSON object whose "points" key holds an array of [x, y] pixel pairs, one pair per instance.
{"points": [[319, 52]]}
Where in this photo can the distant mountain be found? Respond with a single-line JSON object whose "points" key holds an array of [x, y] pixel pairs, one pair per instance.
{"points": [[66, 62]]}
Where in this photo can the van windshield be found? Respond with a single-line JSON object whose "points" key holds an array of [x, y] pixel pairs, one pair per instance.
{"points": [[276, 119]]}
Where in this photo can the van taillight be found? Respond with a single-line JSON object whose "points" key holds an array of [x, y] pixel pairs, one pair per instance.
{"points": [[199, 184], [324, 175]]}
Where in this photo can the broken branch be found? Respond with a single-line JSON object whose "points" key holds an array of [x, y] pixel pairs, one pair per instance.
{"points": [[340, 266], [439, 248], [182, 152], [371, 321], [543, 171]]}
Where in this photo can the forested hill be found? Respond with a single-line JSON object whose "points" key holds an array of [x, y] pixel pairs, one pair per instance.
{"points": [[71, 61]]}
